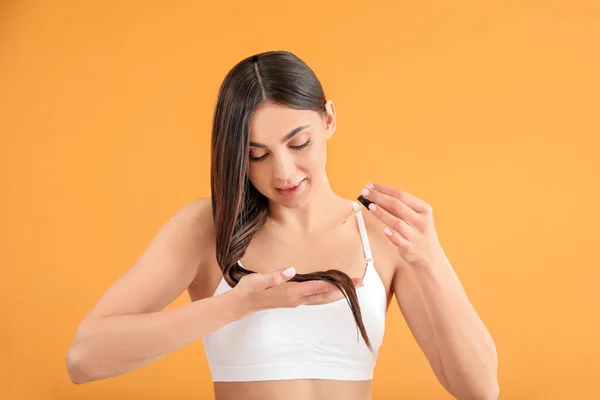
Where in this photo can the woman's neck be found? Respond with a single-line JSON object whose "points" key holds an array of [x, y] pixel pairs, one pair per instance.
{"points": [[323, 208]]}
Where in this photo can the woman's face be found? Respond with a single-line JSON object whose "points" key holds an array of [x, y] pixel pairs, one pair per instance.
{"points": [[288, 151]]}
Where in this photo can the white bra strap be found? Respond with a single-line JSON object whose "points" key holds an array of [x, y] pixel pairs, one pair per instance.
{"points": [[363, 234]]}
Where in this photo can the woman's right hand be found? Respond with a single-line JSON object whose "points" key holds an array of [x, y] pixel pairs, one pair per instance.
{"points": [[262, 291]]}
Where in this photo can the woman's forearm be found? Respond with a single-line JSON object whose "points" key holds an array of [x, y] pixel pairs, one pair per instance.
{"points": [[467, 352], [114, 345]]}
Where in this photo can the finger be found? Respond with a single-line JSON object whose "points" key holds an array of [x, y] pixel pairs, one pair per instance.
{"points": [[392, 205], [322, 298], [309, 288], [395, 223], [411, 200], [400, 242], [328, 297], [265, 281]]}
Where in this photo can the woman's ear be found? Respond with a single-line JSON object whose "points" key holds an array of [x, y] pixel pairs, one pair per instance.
{"points": [[330, 120]]}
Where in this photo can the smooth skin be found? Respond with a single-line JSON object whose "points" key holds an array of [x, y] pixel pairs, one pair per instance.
{"points": [[129, 328]]}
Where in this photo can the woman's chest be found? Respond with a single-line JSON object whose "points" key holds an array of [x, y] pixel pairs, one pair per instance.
{"points": [[346, 250], [343, 249], [306, 255]]}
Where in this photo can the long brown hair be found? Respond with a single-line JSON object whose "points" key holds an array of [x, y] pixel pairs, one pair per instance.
{"points": [[239, 209]]}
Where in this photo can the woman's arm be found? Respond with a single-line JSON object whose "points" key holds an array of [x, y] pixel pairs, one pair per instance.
{"points": [[448, 330], [113, 345], [127, 327], [431, 297]]}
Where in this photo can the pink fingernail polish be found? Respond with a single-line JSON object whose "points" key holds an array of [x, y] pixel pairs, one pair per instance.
{"points": [[372, 207], [387, 232], [370, 186], [289, 272], [365, 192]]}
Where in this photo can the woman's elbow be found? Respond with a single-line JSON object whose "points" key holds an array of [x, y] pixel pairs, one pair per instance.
{"points": [[78, 372], [490, 392]]}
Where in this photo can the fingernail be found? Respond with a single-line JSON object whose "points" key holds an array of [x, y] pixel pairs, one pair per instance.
{"points": [[370, 186], [289, 272], [387, 232], [372, 207], [360, 285], [365, 192]]}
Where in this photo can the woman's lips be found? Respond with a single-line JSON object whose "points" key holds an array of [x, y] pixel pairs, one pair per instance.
{"points": [[293, 190]]}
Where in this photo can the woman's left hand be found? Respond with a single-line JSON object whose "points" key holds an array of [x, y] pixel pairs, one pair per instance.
{"points": [[410, 223]]}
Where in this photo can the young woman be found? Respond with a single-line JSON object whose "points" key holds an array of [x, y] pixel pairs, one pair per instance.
{"points": [[289, 301]]}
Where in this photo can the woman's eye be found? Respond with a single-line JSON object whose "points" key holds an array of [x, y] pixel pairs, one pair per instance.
{"points": [[259, 158], [301, 146], [264, 156]]}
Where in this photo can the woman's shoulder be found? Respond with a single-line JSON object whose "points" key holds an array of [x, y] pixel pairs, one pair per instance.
{"points": [[198, 215], [199, 209], [191, 230]]}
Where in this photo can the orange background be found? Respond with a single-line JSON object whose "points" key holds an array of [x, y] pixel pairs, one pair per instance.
{"points": [[487, 110]]}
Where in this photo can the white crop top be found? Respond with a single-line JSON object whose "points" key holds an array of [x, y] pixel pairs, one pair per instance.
{"points": [[307, 342]]}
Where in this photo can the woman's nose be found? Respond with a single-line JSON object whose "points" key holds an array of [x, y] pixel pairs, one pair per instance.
{"points": [[284, 168]]}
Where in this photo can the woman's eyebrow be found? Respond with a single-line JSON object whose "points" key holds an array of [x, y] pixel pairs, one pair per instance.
{"points": [[285, 138]]}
